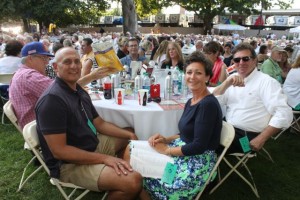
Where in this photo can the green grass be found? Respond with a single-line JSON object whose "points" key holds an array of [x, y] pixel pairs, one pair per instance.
{"points": [[278, 181]]}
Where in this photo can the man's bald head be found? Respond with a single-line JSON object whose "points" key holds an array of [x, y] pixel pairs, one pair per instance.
{"points": [[67, 65], [60, 53]]}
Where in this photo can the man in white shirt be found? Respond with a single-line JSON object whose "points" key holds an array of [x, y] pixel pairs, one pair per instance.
{"points": [[255, 104]]}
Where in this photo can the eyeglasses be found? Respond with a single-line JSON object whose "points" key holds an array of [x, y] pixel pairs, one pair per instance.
{"points": [[133, 45], [244, 59]]}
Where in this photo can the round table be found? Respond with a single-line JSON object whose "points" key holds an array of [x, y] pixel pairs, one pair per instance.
{"points": [[146, 120]]}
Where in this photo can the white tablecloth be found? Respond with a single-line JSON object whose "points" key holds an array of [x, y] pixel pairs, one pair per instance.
{"points": [[146, 120]]}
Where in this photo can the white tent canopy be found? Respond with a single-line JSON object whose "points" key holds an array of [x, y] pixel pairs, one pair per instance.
{"points": [[295, 30], [232, 27]]}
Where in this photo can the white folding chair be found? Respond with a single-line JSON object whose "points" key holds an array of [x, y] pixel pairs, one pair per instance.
{"points": [[294, 125], [9, 112], [227, 136], [240, 160], [31, 137]]}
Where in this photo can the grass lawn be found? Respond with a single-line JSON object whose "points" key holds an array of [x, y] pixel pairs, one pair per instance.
{"points": [[275, 181]]}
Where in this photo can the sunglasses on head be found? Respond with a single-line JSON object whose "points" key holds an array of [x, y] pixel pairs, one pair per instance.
{"points": [[238, 59]]}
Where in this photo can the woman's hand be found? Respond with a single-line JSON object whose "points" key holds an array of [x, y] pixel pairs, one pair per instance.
{"points": [[162, 148], [157, 138]]}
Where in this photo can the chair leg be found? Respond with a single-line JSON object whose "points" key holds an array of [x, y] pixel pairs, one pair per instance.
{"points": [[296, 123], [22, 182], [242, 161], [266, 155], [2, 120], [279, 134]]}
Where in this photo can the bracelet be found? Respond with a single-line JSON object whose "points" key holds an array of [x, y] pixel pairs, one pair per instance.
{"points": [[169, 151]]}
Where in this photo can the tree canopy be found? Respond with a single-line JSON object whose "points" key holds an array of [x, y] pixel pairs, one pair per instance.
{"points": [[60, 12], [208, 9], [67, 12]]}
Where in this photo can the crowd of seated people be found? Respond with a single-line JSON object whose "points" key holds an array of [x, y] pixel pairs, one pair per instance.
{"points": [[33, 76]]}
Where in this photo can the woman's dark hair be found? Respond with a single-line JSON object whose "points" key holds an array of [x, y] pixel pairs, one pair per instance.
{"points": [[13, 48], [228, 45], [180, 42], [199, 57], [262, 49], [211, 47]]}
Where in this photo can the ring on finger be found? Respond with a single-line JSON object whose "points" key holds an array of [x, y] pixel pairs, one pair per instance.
{"points": [[119, 163]]}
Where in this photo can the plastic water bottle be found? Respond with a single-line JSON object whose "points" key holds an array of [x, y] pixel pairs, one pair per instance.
{"points": [[175, 79], [180, 73], [138, 84], [115, 81], [184, 88], [168, 86], [146, 82]]}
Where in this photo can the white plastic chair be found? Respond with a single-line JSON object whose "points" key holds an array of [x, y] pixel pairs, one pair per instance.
{"points": [[31, 137], [9, 112], [227, 136]]}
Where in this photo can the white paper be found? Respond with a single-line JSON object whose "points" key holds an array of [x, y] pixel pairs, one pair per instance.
{"points": [[147, 161]]}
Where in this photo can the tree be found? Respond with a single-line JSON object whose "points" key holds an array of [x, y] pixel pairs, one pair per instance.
{"points": [[129, 16], [44, 12], [208, 9], [147, 7]]}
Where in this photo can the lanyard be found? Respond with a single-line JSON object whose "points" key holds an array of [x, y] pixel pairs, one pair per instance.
{"points": [[89, 123]]}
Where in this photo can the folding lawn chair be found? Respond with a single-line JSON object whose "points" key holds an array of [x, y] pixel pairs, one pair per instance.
{"points": [[9, 112], [31, 137], [240, 160], [227, 136], [295, 125]]}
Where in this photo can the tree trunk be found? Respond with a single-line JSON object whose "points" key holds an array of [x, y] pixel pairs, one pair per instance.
{"points": [[26, 25], [207, 22], [129, 17]]}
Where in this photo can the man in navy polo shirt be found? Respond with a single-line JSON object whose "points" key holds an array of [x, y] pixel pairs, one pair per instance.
{"points": [[77, 144]]}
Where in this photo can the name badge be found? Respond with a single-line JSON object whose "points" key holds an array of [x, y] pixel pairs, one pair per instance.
{"points": [[245, 144], [92, 127], [169, 173]]}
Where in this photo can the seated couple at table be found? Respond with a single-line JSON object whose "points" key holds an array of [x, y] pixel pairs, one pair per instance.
{"points": [[75, 152], [71, 153]]}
